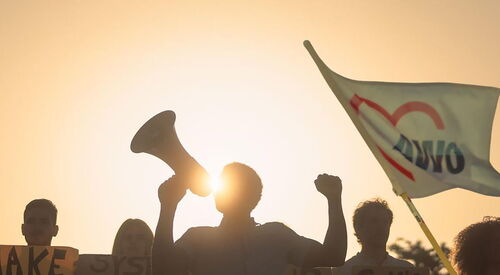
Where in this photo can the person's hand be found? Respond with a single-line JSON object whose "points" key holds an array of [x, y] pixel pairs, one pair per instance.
{"points": [[328, 185], [172, 191]]}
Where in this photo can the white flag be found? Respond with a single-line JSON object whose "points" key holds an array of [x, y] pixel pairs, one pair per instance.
{"points": [[428, 137]]}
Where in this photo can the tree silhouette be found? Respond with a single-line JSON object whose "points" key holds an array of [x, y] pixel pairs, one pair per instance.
{"points": [[421, 256]]}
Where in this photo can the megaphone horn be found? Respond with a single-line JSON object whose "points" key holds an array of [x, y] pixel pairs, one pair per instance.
{"points": [[158, 137]]}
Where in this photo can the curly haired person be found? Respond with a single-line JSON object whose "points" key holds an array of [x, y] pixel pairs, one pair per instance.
{"points": [[477, 248]]}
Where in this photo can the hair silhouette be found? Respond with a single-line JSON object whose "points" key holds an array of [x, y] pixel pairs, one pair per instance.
{"points": [[42, 204], [125, 228], [241, 180], [475, 246], [362, 212]]}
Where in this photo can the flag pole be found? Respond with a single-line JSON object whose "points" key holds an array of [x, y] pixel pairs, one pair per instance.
{"points": [[428, 234]]}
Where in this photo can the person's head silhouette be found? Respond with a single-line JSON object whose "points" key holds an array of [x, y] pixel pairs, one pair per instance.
{"points": [[40, 222], [372, 222], [240, 190], [133, 239], [477, 248]]}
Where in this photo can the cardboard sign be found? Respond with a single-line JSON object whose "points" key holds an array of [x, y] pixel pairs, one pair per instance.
{"points": [[37, 260], [94, 264], [293, 270], [387, 270]]}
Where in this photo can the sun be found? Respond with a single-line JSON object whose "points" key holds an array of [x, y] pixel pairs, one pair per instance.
{"points": [[215, 183], [214, 179]]}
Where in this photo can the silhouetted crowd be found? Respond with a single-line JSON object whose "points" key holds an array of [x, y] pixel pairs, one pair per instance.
{"points": [[241, 245]]}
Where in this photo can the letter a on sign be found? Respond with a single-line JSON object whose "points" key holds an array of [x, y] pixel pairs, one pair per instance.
{"points": [[428, 137], [37, 260]]}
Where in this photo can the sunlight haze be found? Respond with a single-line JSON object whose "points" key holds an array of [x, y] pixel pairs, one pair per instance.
{"points": [[79, 78]]}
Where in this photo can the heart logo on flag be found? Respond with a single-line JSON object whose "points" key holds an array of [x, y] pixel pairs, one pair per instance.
{"points": [[413, 106]]}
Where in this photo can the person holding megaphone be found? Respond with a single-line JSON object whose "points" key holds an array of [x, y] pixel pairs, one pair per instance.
{"points": [[238, 245]]}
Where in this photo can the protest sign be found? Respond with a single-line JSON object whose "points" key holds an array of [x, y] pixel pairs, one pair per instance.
{"points": [[37, 260], [95, 264]]}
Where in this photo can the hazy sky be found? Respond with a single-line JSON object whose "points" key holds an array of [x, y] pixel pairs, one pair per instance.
{"points": [[78, 78]]}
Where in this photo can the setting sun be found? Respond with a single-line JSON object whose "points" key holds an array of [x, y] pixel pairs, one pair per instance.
{"points": [[215, 182]]}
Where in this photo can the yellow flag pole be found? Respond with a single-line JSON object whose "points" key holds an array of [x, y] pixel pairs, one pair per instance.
{"points": [[428, 234]]}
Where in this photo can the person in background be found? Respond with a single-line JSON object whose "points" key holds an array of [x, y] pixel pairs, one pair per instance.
{"points": [[372, 221], [239, 245], [40, 222], [133, 239], [477, 248]]}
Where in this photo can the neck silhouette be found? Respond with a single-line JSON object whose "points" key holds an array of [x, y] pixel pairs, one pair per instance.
{"points": [[377, 253], [237, 222]]}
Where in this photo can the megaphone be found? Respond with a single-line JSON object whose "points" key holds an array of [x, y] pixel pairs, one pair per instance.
{"points": [[158, 137]]}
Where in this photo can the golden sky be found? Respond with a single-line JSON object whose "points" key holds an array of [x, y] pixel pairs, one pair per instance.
{"points": [[78, 78]]}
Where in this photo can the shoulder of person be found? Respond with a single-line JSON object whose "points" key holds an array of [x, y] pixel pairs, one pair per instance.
{"points": [[198, 232], [354, 260], [276, 227], [400, 262], [281, 231]]}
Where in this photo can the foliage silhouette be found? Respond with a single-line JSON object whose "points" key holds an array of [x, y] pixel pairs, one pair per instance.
{"points": [[419, 255]]}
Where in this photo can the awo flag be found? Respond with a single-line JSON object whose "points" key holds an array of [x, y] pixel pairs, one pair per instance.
{"points": [[428, 137]]}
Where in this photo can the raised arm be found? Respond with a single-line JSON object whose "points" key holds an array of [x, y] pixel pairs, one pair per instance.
{"points": [[334, 248], [166, 259]]}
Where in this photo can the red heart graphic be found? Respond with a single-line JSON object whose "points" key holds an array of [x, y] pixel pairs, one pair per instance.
{"points": [[413, 106]]}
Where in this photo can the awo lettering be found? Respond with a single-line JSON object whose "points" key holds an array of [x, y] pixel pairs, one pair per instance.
{"points": [[427, 153]]}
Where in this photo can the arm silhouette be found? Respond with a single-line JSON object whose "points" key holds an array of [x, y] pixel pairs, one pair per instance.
{"points": [[166, 258], [334, 248]]}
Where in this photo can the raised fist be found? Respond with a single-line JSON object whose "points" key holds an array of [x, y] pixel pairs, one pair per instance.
{"points": [[328, 185], [172, 191]]}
